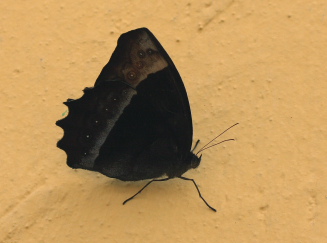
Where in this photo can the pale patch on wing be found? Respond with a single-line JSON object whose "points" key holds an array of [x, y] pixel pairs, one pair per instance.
{"points": [[145, 59]]}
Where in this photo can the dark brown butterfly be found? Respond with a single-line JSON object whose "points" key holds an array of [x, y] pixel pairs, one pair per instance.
{"points": [[135, 123]]}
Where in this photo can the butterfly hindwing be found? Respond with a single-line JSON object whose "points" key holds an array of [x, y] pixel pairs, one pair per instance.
{"points": [[135, 123]]}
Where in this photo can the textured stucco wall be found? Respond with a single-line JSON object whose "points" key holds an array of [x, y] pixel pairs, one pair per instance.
{"points": [[260, 63]]}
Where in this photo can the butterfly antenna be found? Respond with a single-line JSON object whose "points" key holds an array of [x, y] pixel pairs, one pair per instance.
{"points": [[231, 139], [165, 179], [197, 188], [204, 147]]}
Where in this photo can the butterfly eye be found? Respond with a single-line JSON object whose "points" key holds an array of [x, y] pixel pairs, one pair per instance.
{"points": [[149, 51], [131, 75], [141, 54]]}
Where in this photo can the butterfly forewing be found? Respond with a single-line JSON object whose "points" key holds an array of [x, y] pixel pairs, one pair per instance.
{"points": [[135, 123]]}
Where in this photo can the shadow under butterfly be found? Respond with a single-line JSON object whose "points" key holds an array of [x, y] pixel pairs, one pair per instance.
{"points": [[135, 123]]}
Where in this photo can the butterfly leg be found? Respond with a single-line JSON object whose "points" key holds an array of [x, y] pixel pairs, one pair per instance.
{"points": [[196, 186], [165, 179], [196, 144]]}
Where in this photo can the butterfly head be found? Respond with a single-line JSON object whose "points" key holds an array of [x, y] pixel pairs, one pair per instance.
{"points": [[195, 161]]}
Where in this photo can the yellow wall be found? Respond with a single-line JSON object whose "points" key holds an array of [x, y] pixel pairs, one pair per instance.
{"points": [[259, 63]]}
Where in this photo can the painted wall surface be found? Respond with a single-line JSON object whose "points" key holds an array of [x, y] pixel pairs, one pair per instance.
{"points": [[259, 63]]}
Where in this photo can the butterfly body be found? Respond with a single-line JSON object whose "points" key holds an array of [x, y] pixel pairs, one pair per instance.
{"points": [[135, 123]]}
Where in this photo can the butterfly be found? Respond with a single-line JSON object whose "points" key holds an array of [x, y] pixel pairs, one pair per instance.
{"points": [[135, 123]]}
